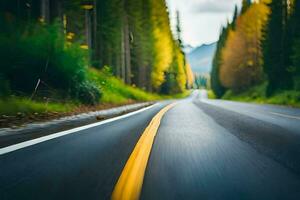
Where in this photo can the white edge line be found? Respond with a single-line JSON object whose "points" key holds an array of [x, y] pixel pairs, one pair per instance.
{"points": [[28, 143], [287, 116]]}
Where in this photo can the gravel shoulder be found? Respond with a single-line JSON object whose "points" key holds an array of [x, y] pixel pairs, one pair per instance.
{"points": [[10, 136]]}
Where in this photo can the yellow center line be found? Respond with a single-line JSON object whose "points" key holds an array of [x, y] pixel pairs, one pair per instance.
{"points": [[129, 185]]}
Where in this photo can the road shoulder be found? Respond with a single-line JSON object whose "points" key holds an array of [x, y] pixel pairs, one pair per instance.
{"points": [[10, 136]]}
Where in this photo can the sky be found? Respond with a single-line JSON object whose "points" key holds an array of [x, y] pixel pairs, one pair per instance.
{"points": [[201, 20]]}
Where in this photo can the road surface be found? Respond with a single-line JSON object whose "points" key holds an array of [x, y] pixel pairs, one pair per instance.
{"points": [[203, 149]]}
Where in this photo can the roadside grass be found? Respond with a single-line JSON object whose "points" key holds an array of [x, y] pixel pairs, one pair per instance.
{"points": [[15, 105], [211, 94], [114, 92], [184, 94], [257, 94]]}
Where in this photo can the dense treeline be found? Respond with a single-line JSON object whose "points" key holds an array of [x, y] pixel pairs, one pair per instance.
{"points": [[261, 44], [216, 84], [48, 45]]}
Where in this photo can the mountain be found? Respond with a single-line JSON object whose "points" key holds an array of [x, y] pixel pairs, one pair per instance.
{"points": [[201, 58]]}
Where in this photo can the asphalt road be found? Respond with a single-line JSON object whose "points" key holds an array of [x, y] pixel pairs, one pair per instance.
{"points": [[204, 149]]}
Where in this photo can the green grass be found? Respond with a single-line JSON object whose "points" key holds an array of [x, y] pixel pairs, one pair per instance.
{"points": [[211, 94], [178, 96], [114, 91], [257, 94], [14, 105]]}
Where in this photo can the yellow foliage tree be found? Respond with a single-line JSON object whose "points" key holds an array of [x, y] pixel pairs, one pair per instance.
{"points": [[181, 73], [163, 43], [242, 56], [189, 75]]}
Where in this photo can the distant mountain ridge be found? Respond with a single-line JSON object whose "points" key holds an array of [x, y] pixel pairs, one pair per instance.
{"points": [[200, 58]]}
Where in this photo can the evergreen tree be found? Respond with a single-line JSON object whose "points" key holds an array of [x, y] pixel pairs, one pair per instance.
{"points": [[235, 16], [274, 45], [133, 37], [295, 23], [110, 15], [245, 5], [216, 85], [141, 41], [178, 29]]}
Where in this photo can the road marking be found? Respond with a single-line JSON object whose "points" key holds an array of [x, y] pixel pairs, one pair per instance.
{"points": [[287, 116], [129, 185], [28, 143]]}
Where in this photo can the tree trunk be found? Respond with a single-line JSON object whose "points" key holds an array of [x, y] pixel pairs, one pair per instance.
{"points": [[123, 57], [127, 51], [95, 42], [45, 11], [56, 11], [126, 39], [88, 28]]}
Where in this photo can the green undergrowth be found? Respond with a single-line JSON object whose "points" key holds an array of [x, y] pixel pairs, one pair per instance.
{"points": [[257, 94], [15, 105], [113, 90], [211, 94]]}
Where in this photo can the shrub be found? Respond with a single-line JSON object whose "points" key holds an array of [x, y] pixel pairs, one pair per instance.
{"points": [[87, 93], [41, 53]]}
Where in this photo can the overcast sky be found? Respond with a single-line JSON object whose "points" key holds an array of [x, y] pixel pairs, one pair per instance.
{"points": [[202, 19]]}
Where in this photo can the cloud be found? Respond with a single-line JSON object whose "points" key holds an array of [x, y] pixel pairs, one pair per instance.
{"points": [[201, 19], [214, 6]]}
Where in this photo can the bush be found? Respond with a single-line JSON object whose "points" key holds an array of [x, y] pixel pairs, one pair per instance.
{"points": [[87, 93], [211, 94], [41, 53]]}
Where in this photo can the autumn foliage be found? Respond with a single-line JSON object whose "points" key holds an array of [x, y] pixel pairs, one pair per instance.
{"points": [[242, 59]]}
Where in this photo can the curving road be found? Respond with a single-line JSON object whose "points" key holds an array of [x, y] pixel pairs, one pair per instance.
{"points": [[204, 149]]}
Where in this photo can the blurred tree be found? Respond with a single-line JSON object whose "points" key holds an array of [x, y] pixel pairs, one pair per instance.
{"points": [[162, 41], [276, 52], [295, 24], [110, 32], [178, 29], [242, 56], [189, 76], [133, 37], [245, 5], [235, 16], [216, 84]]}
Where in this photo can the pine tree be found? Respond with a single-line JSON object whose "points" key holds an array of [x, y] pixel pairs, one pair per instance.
{"points": [[235, 16], [245, 5], [142, 42], [178, 29], [110, 13], [295, 23], [275, 53]]}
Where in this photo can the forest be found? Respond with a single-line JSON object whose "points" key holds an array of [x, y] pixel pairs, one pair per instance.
{"points": [[87, 52], [258, 54]]}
